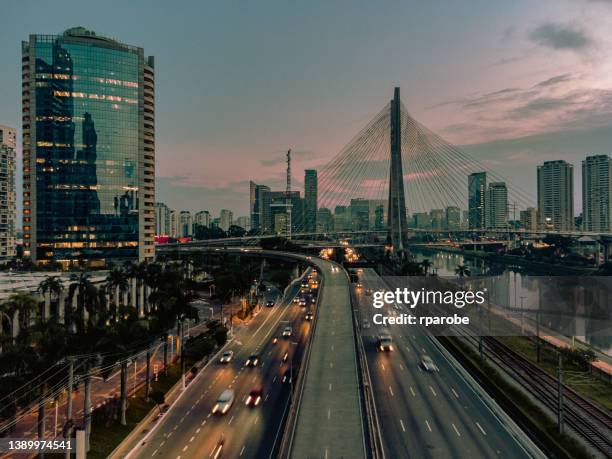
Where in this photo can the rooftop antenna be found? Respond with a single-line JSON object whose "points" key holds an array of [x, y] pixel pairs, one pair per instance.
{"points": [[288, 196]]}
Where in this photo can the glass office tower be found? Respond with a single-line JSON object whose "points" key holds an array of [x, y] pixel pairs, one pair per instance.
{"points": [[88, 148]]}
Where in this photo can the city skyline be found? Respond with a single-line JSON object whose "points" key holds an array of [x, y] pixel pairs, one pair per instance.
{"points": [[538, 66]]}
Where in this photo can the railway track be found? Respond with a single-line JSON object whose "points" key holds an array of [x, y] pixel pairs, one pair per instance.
{"points": [[586, 418]]}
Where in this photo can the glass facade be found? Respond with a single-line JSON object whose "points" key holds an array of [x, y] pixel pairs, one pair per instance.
{"points": [[84, 193]]}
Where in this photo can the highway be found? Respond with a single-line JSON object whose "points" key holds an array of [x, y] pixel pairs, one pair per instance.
{"points": [[425, 414], [190, 430]]}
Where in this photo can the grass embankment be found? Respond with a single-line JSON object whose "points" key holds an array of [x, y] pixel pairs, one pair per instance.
{"points": [[586, 384], [533, 420]]}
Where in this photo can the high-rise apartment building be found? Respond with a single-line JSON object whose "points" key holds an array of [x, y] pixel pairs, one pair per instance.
{"points": [[88, 149], [8, 146], [226, 219], [310, 200], [185, 224], [360, 214], [437, 219], [453, 218], [259, 205], [596, 187], [556, 195], [477, 190], [202, 218], [497, 205], [162, 219], [244, 222], [174, 224], [529, 218], [325, 220]]}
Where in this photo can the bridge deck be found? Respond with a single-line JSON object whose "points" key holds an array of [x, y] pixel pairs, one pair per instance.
{"points": [[329, 422]]}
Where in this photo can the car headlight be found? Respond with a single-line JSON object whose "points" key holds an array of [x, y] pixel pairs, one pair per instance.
{"points": [[248, 400], [216, 408], [225, 408], [257, 401]]}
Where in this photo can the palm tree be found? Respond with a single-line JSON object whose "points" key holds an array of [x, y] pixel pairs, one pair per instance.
{"points": [[19, 308], [117, 283], [51, 286], [426, 264], [462, 271], [87, 298]]}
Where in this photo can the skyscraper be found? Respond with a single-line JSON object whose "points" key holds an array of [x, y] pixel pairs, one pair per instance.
{"points": [[244, 222], [453, 218], [437, 219], [556, 195], [529, 218], [310, 200], [477, 189], [325, 220], [185, 224], [162, 219], [259, 200], [360, 214], [202, 218], [88, 149], [497, 206], [596, 187], [226, 219], [7, 193]]}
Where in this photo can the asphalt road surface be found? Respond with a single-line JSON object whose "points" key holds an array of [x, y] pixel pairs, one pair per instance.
{"points": [[426, 414], [190, 430]]}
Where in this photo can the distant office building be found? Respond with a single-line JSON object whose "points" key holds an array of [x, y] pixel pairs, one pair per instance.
{"points": [[174, 224], [437, 219], [596, 187], [226, 219], [497, 205], [453, 218], [185, 224], [8, 207], [162, 219], [360, 214], [342, 219], [477, 190], [244, 223], [276, 202], [556, 195], [325, 220], [202, 218], [378, 214], [88, 149], [421, 220], [465, 219], [529, 218], [310, 200], [260, 207]]}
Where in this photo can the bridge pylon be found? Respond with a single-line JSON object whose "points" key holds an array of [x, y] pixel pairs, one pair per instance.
{"points": [[396, 213]]}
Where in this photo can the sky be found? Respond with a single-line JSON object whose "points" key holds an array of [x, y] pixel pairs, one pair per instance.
{"points": [[514, 83]]}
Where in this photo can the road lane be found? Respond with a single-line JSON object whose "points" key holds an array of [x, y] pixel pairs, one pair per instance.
{"points": [[426, 414], [189, 430]]}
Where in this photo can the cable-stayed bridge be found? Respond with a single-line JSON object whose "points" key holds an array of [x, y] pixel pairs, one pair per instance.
{"points": [[403, 168]]}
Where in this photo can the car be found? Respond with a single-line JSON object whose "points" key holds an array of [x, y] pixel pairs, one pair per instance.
{"points": [[309, 315], [286, 379], [385, 342], [313, 299], [359, 285], [275, 340], [224, 402], [226, 357], [368, 292], [309, 258], [427, 364], [254, 397], [305, 282], [296, 299], [270, 303], [287, 331], [218, 449], [302, 301], [285, 357], [366, 323], [252, 361]]}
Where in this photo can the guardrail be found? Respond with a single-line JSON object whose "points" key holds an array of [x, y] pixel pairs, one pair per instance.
{"points": [[286, 445], [377, 450]]}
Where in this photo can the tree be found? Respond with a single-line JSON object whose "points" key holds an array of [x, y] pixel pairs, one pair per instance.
{"points": [[20, 306], [236, 231], [426, 264], [462, 271], [51, 286]]}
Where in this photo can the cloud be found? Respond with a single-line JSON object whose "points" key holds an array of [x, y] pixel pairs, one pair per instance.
{"points": [[560, 37], [554, 80]]}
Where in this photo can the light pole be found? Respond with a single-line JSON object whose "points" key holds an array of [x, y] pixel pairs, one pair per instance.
{"points": [[291, 343], [522, 325], [135, 365]]}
